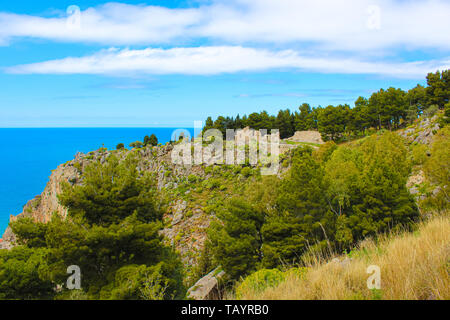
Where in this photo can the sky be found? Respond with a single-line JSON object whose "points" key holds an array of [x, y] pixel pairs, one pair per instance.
{"points": [[168, 63]]}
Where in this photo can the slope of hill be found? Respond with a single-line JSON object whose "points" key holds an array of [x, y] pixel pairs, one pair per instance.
{"points": [[195, 194], [413, 266]]}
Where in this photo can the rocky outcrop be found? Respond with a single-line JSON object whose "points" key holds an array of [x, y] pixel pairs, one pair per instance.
{"points": [[207, 288], [185, 223], [307, 137], [422, 131]]}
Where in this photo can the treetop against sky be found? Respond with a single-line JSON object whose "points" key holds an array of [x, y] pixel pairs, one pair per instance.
{"points": [[168, 63]]}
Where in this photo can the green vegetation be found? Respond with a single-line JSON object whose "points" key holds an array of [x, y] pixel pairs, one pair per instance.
{"points": [[265, 230], [150, 141], [120, 146], [437, 169], [136, 144], [328, 204], [111, 233]]}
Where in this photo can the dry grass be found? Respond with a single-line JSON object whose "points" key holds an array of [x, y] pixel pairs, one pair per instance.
{"points": [[413, 266]]}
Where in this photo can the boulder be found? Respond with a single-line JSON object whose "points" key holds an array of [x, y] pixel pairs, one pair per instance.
{"points": [[207, 288], [178, 212]]}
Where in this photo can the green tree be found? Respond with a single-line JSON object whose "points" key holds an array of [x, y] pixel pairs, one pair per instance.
{"points": [[438, 90], [112, 232], [302, 216], [136, 144], [236, 239], [304, 120], [120, 146], [111, 192], [285, 123], [359, 116], [417, 100], [388, 107], [384, 201], [333, 122], [23, 274], [150, 141]]}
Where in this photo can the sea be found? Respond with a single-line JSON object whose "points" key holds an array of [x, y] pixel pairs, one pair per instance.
{"points": [[28, 155]]}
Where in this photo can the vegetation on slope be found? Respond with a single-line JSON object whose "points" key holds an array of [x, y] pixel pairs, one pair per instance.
{"points": [[414, 266], [353, 193], [111, 233], [325, 200]]}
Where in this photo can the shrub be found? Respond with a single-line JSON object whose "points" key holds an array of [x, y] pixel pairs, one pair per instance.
{"points": [[192, 178], [431, 111], [419, 154], [246, 172], [136, 144], [259, 281]]}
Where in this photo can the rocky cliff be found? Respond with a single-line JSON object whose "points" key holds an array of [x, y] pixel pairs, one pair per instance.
{"points": [[189, 210]]}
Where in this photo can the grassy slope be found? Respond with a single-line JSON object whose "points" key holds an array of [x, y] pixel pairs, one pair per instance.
{"points": [[413, 266]]}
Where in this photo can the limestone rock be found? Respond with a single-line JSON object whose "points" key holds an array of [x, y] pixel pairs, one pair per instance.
{"points": [[306, 136], [178, 212], [207, 288]]}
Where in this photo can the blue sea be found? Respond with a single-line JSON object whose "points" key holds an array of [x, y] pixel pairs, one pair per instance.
{"points": [[28, 155]]}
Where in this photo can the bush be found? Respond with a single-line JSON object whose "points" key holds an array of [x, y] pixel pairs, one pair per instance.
{"points": [[259, 281], [211, 183], [136, 144], [151, 141], [246, 172], [431, 111], [192, 178], [120, 146], [419, 154]]}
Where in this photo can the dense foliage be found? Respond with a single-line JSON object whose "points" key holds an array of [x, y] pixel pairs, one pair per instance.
{"points": [[437, 169], [329, 199], [111, 233]]}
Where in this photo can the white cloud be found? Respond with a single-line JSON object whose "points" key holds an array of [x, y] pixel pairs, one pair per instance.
{"points": [[215, 60], [333, 24], [112, 23], [328, 24]]}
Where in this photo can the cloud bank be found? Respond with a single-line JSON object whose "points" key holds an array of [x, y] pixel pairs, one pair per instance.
{"points": [[348, 25], [216, 60], [226, 36]]}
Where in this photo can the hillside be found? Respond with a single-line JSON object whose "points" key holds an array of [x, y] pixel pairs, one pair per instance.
{"points": [[195, 196], [413, 263], [192, 192], [413, 266]]}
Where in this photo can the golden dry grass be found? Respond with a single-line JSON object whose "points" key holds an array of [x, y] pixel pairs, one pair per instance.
{"points": [[413, 266]]}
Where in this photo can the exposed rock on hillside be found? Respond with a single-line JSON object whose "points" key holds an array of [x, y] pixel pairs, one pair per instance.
{"points": [[207, 288], [185, 222], [306, 136], [422, 131]]}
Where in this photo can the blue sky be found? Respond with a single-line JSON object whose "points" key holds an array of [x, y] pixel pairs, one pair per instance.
{"points": [[168, 63]]}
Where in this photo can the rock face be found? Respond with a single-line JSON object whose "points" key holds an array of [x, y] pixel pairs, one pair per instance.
{"points": [[306, 136], [422, 132], [187, 222], [5, 244], [207, 288], [153, 159]]}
